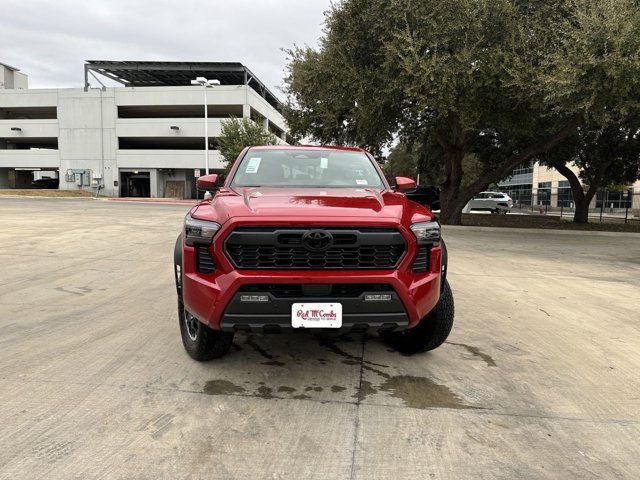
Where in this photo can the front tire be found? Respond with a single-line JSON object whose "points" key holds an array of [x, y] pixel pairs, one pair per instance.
{"points": [[432, 330], [200, 341]]}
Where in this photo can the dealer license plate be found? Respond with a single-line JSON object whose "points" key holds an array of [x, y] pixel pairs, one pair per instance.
{"points": [[316, 315]]}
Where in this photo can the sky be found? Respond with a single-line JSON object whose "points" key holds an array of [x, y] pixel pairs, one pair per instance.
{"points": [[49, 40]]}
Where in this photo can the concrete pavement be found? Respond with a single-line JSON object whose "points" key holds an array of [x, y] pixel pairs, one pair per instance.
{"points": [[539, 378]]}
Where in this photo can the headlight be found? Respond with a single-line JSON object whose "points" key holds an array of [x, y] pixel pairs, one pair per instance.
{"points": [[427, 233], [199, 231]]}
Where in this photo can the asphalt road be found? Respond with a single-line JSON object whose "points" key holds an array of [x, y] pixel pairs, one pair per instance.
{"points": [[540, 377]]}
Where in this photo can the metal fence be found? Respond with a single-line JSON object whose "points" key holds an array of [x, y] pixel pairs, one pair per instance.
{"points": [[607, 205]]}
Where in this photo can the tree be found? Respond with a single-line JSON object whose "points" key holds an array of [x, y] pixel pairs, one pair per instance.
{"points": [[401, 162], [409, 160], [405, 160], [501, 80], [238, 134], [603, 157]]}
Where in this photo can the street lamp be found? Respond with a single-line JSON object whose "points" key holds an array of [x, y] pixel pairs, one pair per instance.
{"points": [[206, 84]]}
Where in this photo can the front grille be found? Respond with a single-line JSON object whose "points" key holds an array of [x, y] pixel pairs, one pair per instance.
{"points": [[204, 261], [285, 248], [421, 262]]}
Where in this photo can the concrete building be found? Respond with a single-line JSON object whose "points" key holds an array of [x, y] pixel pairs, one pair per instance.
{"points": [[535, 184], [145, 138], [12, 78]]}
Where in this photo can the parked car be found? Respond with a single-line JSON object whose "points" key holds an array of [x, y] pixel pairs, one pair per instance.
{"points": [[310, 238], [428, 196], [46, 182], [495, 202]]}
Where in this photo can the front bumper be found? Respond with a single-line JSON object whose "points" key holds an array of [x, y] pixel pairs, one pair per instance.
{"points": [[274, 315], [214, 298]]}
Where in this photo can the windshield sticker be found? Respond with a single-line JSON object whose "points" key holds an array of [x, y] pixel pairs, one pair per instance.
{"points": [[253, 165], [324, 162], [361, 181]]}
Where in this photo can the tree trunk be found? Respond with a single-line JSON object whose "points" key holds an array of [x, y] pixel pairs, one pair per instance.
{"points": [[450, 212], [454, 147], [581, 198], [581, 215]]}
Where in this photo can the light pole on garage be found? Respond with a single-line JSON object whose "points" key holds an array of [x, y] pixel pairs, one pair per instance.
{"points": [[206, 84]]}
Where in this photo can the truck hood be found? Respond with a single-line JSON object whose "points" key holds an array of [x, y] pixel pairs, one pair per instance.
{"points": [[308, 202]]}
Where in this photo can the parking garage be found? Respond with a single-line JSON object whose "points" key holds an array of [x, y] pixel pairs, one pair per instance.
{"points": [[145, 138]]}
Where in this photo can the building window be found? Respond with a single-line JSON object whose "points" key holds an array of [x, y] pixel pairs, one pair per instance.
{"points": [[520, 194], [544, 193], [565, 195], [523, 169], [613, 199]]}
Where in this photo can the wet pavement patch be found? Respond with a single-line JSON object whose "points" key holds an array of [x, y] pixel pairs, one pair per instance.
{"points": [[274, 363], [422, 392], [366, 389], [285, 389], [251, 341], [476, 352], [414, 391], [350, 359], [264, 392], [222, 387]]}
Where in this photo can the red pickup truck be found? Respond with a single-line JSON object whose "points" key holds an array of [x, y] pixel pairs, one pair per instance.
{"points": [[310, 238]]}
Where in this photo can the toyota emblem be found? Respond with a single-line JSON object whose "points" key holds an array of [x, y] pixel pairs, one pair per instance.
{"points": [[317, 240]]}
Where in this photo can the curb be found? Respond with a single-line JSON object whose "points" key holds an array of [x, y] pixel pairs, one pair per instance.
{"points": [[45, 198], [168, 201], [163, 201], [548, 231]]}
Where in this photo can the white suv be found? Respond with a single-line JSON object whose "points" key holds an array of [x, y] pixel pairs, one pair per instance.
{"points": [[495, 202]]}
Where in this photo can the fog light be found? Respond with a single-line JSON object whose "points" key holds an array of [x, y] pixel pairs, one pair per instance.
{"points": [[384, 297], [254, 298]]}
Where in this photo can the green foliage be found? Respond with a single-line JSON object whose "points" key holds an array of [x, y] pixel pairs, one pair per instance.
{"points": [[407, 161], [237, 134], [401, 162], [501, 80]]}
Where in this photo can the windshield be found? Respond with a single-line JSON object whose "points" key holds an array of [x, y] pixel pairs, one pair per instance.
{"points": [[306, 168]]}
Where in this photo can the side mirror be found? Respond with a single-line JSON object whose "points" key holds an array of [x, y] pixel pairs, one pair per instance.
{"points": [[207, 182], [404, 184]]}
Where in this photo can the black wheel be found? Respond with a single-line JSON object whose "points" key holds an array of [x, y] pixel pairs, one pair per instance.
{"points": [[200, 341], [432, 330]]}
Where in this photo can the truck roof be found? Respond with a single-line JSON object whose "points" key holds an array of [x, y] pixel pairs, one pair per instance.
{"points": [[309, 147]]}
